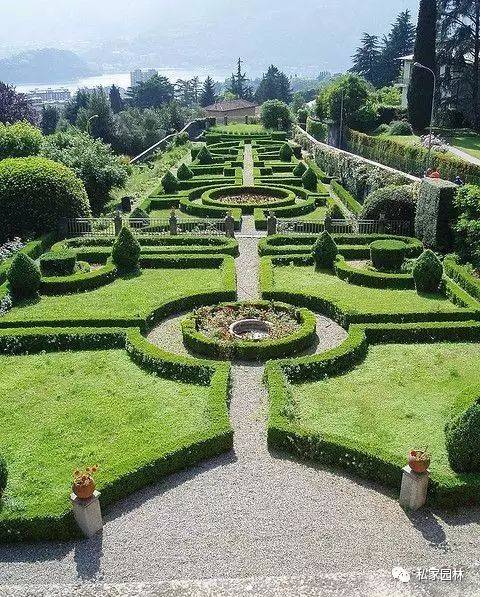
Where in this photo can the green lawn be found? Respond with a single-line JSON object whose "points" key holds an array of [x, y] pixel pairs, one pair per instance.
{"points": [[399, 398], [61, 411], [468, 142], [238, 129], [129, 297], [401, 139], [357, 299], [318, 215], [164, 214]]}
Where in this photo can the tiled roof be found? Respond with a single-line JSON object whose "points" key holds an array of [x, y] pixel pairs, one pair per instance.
{"points": [[228, 105]]}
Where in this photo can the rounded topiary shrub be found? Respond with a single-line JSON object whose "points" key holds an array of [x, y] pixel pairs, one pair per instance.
{"points": [[309, 179], [394, 202], [286, 153], [23, 277], [3, 475], [324, 251], [169, 183], [35, 193], [299, 170], [126, 251], [401, 128], [184, 172], [204, 156], [462, 436], [427, 272], [20, 139], [58, 263], [388, 255]]}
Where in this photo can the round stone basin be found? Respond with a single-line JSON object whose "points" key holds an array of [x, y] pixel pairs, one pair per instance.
{"points": [[251, 329]]}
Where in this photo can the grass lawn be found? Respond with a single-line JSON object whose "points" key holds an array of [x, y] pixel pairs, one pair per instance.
{"points": [[401, 139], [468, 142], [164, 214], [315, 216], [61, 411], [399, 398], [357, 299], [238, 129], [125, 297]]}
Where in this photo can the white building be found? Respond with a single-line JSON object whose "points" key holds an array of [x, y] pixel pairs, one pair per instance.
{"points": [[407, 66], [141, 76]]}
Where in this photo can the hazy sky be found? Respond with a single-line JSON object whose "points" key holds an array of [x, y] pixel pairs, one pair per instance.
{"points": [[310, 30]]}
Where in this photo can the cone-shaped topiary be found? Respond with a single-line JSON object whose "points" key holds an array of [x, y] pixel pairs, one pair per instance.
{"points": [[462, 436], [324, 251], [427, 272], [24, 277], [309, 179], [126, 251], [286, 153], [204, 156], [184, 172], [3, 475], [169, 183], [142, 217], [299, 170]]}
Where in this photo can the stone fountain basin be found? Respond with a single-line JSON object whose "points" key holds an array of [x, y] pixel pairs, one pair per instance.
{"points": [[250, 329]]}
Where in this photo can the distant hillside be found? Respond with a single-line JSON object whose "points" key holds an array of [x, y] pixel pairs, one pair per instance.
{"points": [[43, 66]]}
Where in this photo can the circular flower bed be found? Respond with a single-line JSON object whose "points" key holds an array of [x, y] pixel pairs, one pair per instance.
{"points": [[249, 331], [248, 198]]}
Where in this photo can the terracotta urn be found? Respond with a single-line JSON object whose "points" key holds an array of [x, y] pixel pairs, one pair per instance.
{"points": [[84, 490], [418, 465]]}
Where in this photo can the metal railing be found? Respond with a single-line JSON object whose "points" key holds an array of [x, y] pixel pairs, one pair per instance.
{"points": [[394, 227]]}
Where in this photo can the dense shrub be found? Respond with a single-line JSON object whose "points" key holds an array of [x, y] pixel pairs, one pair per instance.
{"points": [[435, 214], [126, 251], [302, 116], [93, 162], [324, 251], [286, 153], [23, 277], [388, 255], [395, 202], [317, 129], [401, 128], [427, 272], [382, 129], [274, 114], [346, 198], [204, 156], [299, 169], [3, 475], [184, 172], [467, 227], [462, 436], [309, 179], [58, 263], [169, 183], [35, 193], [19, 140]]}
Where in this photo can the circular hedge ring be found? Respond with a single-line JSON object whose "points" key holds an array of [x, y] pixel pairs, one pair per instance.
{"points": [[388, 255], [248, 198], [219, 344]]}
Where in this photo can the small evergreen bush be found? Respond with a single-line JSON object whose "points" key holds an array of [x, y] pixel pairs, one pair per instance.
{"points": [[286, 153], [184, 172], [401, 128], [427, 272], [309, 179], [169, 183], [462, 436], [19, 140], [325, 251], [58, 263], [3, 475], [24, 277], [299, 170], [126, 251], [388, 255], [204, 156], [396, 202]]}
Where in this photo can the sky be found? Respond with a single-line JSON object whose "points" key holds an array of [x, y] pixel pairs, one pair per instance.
{"points": [[320, 32]]}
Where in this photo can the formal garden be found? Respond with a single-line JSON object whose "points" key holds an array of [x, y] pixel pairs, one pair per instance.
{"points": [[370, 342]]}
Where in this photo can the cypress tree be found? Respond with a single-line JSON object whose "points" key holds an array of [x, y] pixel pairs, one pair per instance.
{"points": [[420, 92]]}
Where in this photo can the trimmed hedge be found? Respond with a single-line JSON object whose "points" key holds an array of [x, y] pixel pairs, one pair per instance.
{"points": [[33, 249], [80, 282], [346, 198], [462, 276], [372, 279], [58, 263], [388, 255], [282, 198], [436, 214]]}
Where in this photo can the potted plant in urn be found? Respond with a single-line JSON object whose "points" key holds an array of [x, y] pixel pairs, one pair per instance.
{"points": [[419, 460], [84, 483]]}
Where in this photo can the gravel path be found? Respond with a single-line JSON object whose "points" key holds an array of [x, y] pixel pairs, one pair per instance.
{"points": [[248, 166], [252, 513]]}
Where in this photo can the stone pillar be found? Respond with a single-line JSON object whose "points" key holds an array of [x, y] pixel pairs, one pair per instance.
{"points": [[173, 223], [328, 224], [118, 222], [381, 224], [87, 513], [225, 120], [271, 224], [229, 225], [246, 119], [413, 492]]}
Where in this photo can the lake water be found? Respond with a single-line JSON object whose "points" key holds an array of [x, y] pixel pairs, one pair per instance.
{"points": [[123, 79]]}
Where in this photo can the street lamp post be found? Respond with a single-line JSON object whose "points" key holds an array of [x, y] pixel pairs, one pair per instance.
{"points": [[432, 116]]}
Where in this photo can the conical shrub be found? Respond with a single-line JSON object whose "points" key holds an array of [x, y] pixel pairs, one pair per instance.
{"points": [[309, 180], [126, 251], [427, 272], [325, 251], [286, 153], [204, 156], [184, 172], [169, 183], [23, 277], [299, 170]]}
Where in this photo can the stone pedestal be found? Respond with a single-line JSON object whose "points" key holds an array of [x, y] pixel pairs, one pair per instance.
{"points": [[88, 514], [271, 224], [413, 493], [229, 225]]}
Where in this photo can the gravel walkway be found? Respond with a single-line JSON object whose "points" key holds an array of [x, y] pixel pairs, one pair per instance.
{"points": [[253, 513], [248, 180]]}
